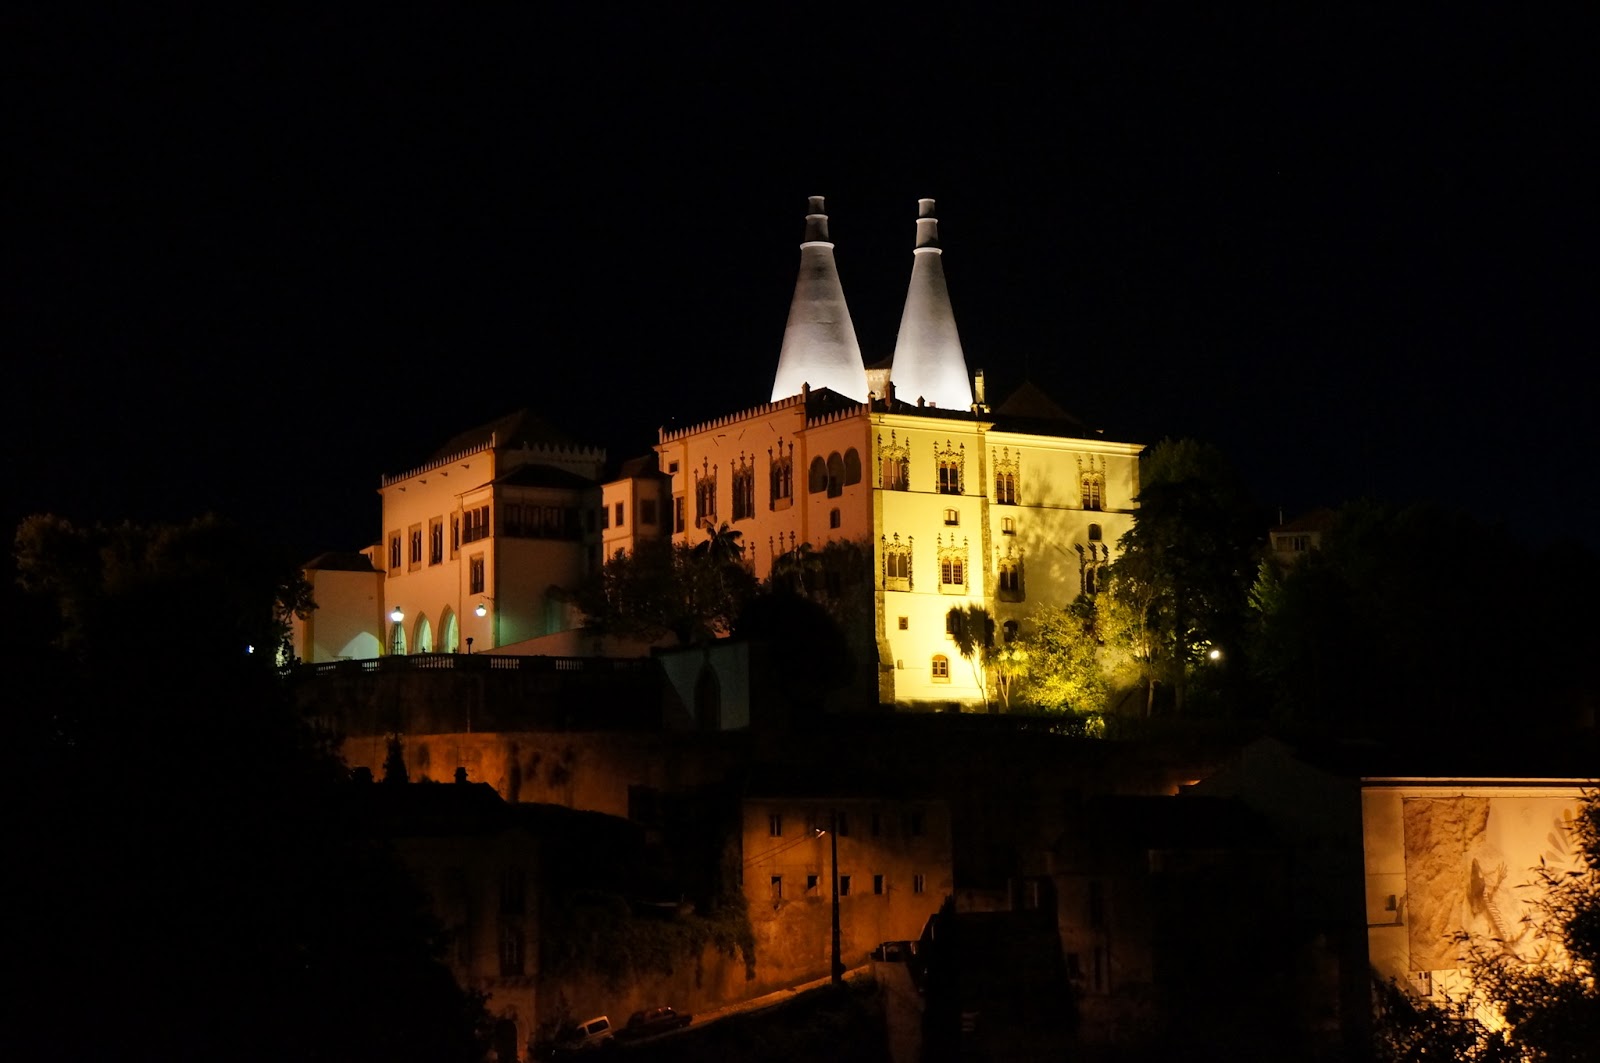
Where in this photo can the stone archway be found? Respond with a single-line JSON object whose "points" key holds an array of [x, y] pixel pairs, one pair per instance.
{"points": [[449, 632], [422, 634]]}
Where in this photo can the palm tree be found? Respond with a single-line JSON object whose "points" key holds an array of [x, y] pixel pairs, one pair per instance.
{"points": [[797, 569], [722, 545]]}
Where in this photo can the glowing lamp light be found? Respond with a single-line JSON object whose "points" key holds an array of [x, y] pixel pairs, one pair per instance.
{"points": [[397, 614], [1215, 654], [482, 609]]}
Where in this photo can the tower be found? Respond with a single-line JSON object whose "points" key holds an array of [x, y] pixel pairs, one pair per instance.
{"points": [[928, 361], [819, 341]]}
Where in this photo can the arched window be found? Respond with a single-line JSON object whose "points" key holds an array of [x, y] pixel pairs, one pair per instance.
{"points": [[1008, 631], [835, 475], [1094, 533], [852, 467], [423, 639], [817, 476], [939, 668], [449, 632]]}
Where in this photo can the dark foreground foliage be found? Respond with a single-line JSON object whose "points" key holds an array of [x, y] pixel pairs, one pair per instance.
{"points": [[188, 884]]}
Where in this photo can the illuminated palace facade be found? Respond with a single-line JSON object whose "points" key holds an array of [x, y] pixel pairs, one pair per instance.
{"points": [[959, 504]]}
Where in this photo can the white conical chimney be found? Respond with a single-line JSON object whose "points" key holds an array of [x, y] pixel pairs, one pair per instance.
{"points": [[819, 342], [928, 360]]}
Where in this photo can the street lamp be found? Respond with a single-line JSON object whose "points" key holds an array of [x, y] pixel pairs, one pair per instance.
{"points": [[397, 614]]}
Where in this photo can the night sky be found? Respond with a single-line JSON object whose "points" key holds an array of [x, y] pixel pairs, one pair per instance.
{"points": [[253, 262]]}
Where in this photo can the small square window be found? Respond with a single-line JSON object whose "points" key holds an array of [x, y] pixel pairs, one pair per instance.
{"points": [[834, 518], [777, 888], [811, 884], [905, 623], [1008, 526], [844, 885], [877, 885], [952, 516], [619, 514]]}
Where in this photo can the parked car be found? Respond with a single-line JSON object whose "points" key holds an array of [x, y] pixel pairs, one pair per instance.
{"points": [[651, 1021], [895, 951], [586, 1036]]}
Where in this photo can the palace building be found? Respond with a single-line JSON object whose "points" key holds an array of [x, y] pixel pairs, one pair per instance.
{"points": [[957, 503]]}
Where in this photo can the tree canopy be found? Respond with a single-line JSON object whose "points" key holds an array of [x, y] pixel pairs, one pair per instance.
{"points": [[190, 848]]}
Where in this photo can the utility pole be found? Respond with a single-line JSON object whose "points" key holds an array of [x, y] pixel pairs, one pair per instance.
{"points": [[833, 842]]}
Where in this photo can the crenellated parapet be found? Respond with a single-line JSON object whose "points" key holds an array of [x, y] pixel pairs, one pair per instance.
{"points": [[665, 435], [437, 463]]}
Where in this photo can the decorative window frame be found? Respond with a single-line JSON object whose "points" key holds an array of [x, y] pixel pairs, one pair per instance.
{"points": [[892, 547], [705, 495], [939, 668], [1093, 559], [1092, 483], [952, 564], [950, 467], [1009, 575], [1007, 475], [744, 488], [894, 463], [780, 476]]}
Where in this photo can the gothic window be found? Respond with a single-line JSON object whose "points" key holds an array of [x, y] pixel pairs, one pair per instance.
{"points": [[1092, 483], [1092, 563], [781, 464], [1093, 490], [436, 541], [949, 461], [705, 495], [852, 467], [817, 476], [835, 475], [394, 552], [896, 563], [1008, 579], [1005, 477], [677, 513], [744, 490], [939, 668], [475, 574], [952, 566], [894, 464], [455, 534]]}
